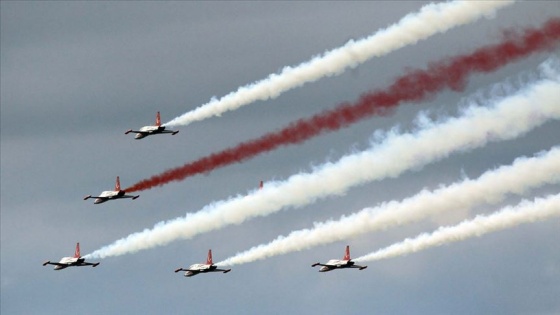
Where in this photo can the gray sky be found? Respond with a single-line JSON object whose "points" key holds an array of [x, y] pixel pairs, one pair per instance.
{"points": [[76, 75]]}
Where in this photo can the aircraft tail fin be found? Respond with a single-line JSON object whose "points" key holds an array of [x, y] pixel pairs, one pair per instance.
{"points": [[347, 253], [209, 258], [158, 120], [118, 184], [261, 185], [77, 251]]}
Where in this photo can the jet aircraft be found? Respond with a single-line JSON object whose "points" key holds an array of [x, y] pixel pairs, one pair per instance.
{"points": [[111, 194], [195, 269], [76, 261], [346, 262], [151, 130]]}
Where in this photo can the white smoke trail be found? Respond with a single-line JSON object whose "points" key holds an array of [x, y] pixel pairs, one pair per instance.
{"points": [[525, 212], [509, 118], [491, 187], [431, 19]]}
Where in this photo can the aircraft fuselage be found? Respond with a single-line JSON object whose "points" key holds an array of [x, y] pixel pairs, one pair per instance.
{"points": [[108, 195], [150, 130], [336, 263], [195, 269], [68, 262], [199, 268]]}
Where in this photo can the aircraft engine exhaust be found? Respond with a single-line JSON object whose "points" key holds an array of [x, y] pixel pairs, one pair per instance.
{"points": [[431, 19], [389, 155], [525, 212], [491, 187], [414, 86]]}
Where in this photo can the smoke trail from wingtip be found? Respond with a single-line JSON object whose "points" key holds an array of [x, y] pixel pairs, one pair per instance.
{"points": [[431, 19], [390, 157], [414, 86], [526, 212], [491, 187]]}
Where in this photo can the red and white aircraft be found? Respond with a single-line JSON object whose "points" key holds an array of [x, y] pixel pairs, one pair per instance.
{"points": [[76, 261], [195, 269], [346, 262], [111, 194], [151, 130]]}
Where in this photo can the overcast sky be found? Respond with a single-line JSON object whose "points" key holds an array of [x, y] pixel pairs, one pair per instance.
{"points": [[76, 75]]}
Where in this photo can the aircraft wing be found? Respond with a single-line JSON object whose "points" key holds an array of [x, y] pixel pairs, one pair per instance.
{"points": [[129, 196], [320, 264], [89, 264], [136, 131], [53, 263], [183, 269], [90, 196]]}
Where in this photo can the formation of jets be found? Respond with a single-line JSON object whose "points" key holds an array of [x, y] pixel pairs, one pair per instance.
{"points": [[192, 270], [142, 133], [76, 261], [111, 194]]}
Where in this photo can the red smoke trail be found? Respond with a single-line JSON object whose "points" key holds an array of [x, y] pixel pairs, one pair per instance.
{"points": [[414, 86]]}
